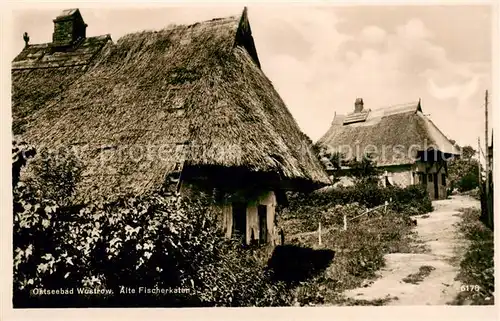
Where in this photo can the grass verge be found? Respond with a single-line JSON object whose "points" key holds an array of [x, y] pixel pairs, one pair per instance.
{"points": [[477, 266], [359, 253]]}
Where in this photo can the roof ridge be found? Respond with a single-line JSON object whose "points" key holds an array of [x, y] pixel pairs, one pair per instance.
{"points": [[48, 44], [394, 106], [174, 26], [405, 104], [80, 55]]}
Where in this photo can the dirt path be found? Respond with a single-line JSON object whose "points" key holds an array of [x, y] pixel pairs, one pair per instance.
{"points": [[433, 273]]}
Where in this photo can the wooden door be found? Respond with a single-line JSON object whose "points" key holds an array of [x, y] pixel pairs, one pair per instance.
{"points": [[240, 221], [436, 187]]}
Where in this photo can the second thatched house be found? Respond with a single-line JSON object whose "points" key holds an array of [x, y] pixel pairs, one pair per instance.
{"points": [[184, 108], [405, 145]]}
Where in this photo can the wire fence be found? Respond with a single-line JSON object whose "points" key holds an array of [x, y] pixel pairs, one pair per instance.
{"points": [[321, 231]]}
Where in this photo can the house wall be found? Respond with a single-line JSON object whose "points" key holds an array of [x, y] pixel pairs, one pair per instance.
{"points": [[430, 170], [400, 175], [227, 219], [404, 176], [267, 198]]}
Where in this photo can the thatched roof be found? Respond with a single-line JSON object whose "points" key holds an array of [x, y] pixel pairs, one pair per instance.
{"points": [[398, 130], [42, 72], [186, 93]]}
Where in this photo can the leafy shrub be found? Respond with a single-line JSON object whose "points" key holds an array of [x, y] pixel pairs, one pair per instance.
{"points": [[21, 152], [364, 171], [53, 175], [468, 182], [151, 242], [463, 172], [411, 200]]}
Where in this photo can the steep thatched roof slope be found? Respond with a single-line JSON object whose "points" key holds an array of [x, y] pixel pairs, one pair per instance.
{"points": [[193, 93], [41, 72], [393, 134]]}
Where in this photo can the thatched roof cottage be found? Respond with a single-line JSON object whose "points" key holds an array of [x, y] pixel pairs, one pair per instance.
{"points": [[186, 108], [405, 144]]}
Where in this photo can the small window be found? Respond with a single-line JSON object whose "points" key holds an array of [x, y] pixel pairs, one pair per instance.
{"points": [[430, 178], [443, 179], [422, 178]]}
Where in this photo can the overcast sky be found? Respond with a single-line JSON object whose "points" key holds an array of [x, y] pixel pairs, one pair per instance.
{"points": [[321, 58]]}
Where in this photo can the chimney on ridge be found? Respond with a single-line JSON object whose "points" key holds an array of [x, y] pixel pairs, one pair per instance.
{"points": [[358, 105], [69, 27]]}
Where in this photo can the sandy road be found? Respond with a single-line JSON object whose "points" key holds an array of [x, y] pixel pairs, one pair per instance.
{"points": [[439, 233]]}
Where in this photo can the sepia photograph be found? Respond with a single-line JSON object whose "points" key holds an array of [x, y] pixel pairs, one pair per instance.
{"points": [[252, 155]]}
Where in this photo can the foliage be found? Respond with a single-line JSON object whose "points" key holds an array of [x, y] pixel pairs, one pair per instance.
{"points": [[363, 171], [152, 242], [477, 266], [21, 152], [463, 172], [54, 175], [412, 200]]}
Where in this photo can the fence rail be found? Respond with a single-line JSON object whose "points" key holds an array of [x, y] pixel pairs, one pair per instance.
{"points": [[321, 232]]}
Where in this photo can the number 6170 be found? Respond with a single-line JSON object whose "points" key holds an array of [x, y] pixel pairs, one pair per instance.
{"points": [[470, 287]]}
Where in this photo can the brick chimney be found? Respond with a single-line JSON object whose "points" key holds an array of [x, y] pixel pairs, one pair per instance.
{"points": [[69, 27], [358, 105]]}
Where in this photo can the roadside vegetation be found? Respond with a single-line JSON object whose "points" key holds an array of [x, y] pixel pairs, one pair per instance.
{"points": [[477, 266], [360, 249]]}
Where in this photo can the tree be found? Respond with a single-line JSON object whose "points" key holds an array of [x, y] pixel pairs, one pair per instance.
{"points": [[364, 171], [463, 172]]}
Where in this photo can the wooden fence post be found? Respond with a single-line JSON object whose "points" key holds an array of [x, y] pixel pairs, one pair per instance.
{"points": [[319, 233]]}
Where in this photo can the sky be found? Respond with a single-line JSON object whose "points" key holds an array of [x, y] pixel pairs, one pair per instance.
{"points": [[321, 58]]}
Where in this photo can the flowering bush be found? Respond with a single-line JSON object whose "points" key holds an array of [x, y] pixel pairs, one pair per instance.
{"points": [[150, 242]]}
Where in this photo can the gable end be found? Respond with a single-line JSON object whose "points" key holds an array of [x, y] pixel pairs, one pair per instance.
{"points": [[244, 37]]}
